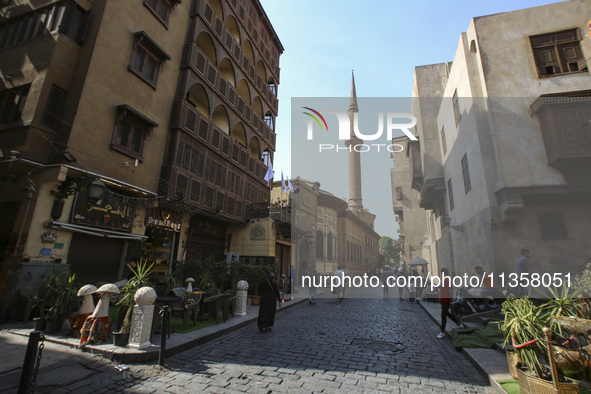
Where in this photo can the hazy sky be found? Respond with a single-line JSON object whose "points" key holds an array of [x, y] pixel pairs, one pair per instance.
{"points": [[383, 41]]}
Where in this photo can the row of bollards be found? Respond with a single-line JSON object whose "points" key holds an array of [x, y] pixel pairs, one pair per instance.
{"points": [[31, 364]]}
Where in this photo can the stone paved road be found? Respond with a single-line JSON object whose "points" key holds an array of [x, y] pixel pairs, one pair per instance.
{"points": [[361, 345]]}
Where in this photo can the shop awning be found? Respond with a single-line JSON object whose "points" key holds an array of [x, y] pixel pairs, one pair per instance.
{"points": [[94, 231]]}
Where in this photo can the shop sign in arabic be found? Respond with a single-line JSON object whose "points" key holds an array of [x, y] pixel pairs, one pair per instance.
{"points": [[113, 212]]}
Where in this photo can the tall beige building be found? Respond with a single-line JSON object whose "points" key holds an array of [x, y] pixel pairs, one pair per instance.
{"points": [[505, 143], [131, 129]]}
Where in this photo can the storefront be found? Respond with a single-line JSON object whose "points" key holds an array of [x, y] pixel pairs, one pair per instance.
{"points": [[162, 228], [101, 237], [207, 238]]}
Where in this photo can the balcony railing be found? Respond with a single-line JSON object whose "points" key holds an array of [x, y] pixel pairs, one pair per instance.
{"points": [[188, 118], [203, 9], [202, 66], [565, 124], [432, 193]]}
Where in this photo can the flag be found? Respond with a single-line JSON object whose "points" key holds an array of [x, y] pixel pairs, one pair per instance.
{"points": [[270, 173], [289, 185], [283, 187]]}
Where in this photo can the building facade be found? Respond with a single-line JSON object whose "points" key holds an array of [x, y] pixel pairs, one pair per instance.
{"points": [[327, 235], [135, 129], [504, 143]]}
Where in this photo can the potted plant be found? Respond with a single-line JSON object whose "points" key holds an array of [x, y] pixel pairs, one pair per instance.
{"points": [[525, 327], [139, 279], [57, 298]]}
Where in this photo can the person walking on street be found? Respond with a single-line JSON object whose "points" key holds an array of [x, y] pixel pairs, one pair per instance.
{"points": [[282, 287], [312, 289], [269, 296], [401, 272], [445, 296], [340, 289], [524, 270]]}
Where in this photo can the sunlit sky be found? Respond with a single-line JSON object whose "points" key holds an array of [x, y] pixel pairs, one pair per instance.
{"points": [[383, 41]]}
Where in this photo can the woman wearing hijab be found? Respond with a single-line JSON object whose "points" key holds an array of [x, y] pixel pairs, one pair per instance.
{"points": [[269, 295]]}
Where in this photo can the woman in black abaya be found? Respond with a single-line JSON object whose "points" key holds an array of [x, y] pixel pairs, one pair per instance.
{"points": [[269, 295]]}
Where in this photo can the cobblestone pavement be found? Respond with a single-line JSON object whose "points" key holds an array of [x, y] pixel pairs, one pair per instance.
{"points": [[361, 345]]}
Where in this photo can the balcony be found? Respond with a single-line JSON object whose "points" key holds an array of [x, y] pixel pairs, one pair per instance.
{"points": [[565, 124], [416, 169], [432, 193], [220, 30], [200, 64]]}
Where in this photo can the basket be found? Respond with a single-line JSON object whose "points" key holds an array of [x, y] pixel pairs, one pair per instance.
{"points": [[530, 384]]}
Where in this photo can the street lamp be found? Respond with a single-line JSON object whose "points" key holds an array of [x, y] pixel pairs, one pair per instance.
{"points": [[96, 190]]}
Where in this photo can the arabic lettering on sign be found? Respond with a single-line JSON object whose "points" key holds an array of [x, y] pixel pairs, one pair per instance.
{"points": [[112, 212]]}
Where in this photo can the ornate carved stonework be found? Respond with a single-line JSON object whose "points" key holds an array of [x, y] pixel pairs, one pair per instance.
{"points": [[242, 285], [141, 326], [257, 232], [145, 296]]}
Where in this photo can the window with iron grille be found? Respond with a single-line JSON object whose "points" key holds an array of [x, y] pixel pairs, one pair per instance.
{"points": [[466, 174], [557, 53]]}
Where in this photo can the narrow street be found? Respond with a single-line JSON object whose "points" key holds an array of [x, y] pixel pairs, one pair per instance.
{"points": [[370, 344]]}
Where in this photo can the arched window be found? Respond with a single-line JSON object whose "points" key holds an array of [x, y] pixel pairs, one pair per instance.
{"points": [[244, 91], [272, 86], [198, 98], [238, 134], [247, 48], [220, 119], [233, 28], [205, 43], [266, 157], [329, 256], [269, 120], [319, 245], [254, 147], [228, 71], [257, 107]]}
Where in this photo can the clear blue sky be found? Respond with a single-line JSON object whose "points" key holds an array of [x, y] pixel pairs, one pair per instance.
{"points": [[382, 40]]}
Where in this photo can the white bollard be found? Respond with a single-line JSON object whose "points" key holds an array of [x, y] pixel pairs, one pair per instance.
{"points": [[241, 298], [141, 322]]}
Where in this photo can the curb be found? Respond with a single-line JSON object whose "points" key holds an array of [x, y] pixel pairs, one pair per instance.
{"points": [[135, 356], [494, 384]]}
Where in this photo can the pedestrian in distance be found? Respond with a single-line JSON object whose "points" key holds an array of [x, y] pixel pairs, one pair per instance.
{"points": [[523, 269], [269, 296], [401, 272], [445, 296], [312, 289], [282, 286], [340, 289], [489, 288]]}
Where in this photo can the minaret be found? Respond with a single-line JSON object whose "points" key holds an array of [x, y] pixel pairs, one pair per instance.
{"points": [[355, 202]]}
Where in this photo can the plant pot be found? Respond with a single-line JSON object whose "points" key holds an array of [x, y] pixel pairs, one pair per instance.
{"points": [[53, 326], [120, 338], [530, 384], [39, 323], [255, 300], [513, 360]]}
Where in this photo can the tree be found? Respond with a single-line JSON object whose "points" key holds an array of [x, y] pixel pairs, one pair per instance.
{"points": [[392, 250]]}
